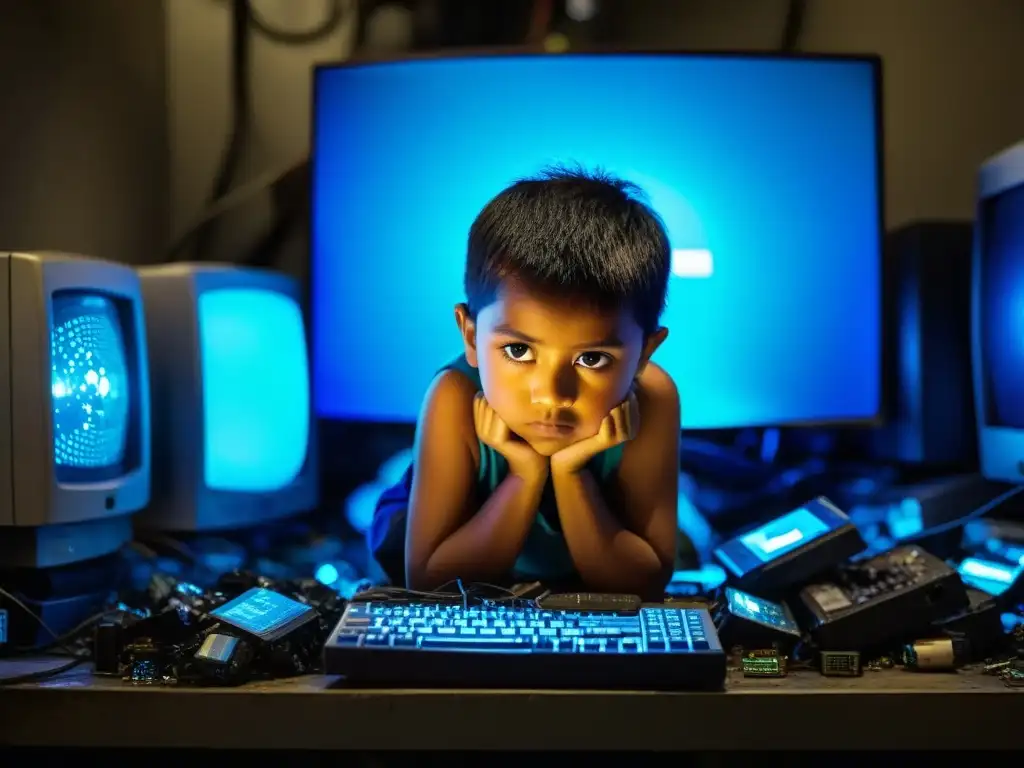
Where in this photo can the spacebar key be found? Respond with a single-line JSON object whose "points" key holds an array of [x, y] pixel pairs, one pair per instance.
{"points": [[450, 643]]}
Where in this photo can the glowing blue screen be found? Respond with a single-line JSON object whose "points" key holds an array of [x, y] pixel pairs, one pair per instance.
{"points": [[988, 576], [784, 534], [260, 611], [764, 170], [255, 389], [755, 609], [1003, 307], [89, 383]]}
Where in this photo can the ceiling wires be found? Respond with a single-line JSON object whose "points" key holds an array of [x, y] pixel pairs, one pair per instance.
{"points": [[245, 20], [793, 26], [240, 117], [224, 195]]}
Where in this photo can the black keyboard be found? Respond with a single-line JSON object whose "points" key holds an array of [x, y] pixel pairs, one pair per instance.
{"points": [[509, 646]]}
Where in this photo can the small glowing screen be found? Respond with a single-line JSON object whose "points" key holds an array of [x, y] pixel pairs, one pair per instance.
{"points": [[89, 383], [261, 612], [784, 534], [762, 611]]}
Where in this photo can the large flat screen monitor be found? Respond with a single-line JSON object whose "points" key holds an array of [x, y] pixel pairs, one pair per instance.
{"points": [[764, 169]]}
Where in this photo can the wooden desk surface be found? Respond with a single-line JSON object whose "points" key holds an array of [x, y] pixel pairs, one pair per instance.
{"points": [[892, 709]]}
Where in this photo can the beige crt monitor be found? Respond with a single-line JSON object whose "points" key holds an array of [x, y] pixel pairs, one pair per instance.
{"points": [[74, 408], [233, 430]]}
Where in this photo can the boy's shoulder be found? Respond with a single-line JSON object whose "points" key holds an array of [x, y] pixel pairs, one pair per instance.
{"points": [[448, 407], [656, 389], [657, 440], [453, 384]]}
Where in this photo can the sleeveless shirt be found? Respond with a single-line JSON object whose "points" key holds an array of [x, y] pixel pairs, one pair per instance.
{"points": [[545, 556]]}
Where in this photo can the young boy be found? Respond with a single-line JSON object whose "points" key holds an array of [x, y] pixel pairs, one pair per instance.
{"points": [[549, 451]]}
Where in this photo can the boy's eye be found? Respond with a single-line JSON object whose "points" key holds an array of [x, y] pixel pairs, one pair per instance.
{"points": [[518, 352], [594, 360]]}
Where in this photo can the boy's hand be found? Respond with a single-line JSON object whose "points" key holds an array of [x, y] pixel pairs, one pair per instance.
{"points": [[523, 461], [619, 426]]}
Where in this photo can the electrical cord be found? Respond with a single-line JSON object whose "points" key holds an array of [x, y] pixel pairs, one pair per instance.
{"points": [[241, 112], [337, 11], [465, 593], [239, 196], [59, 641], [291, 203], [981, 511], [241, 99], [66, 639], [245, 17], [793, 26], [43, 674]]}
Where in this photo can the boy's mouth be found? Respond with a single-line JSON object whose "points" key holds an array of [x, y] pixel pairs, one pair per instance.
{"points": [[550, 428]]}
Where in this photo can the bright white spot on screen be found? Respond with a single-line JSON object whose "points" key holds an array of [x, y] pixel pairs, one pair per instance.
{"points": [[692, 262]]}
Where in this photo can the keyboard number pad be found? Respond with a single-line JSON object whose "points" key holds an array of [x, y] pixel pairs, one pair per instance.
{"points": [[674, 630]]}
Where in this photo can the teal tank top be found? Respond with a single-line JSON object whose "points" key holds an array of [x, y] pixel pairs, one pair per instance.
{"points": [[545, 556]]}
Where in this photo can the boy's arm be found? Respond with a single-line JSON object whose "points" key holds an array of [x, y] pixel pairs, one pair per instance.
{"points": [[636, 555], [444, 539]]}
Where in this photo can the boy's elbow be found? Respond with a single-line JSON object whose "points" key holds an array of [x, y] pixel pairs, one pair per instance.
{"points": [[421, 575], [419, 582], [654, 579], [660, 581], [417, 576]]}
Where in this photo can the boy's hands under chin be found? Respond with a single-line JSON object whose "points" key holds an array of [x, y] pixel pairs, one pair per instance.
{"points": [[619, 426], [523, 461]]}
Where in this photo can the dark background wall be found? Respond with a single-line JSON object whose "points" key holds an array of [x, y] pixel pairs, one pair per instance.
{"points": [[113, 113]]}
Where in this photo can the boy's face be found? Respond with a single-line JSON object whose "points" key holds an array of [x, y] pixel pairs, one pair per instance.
{"points": [[553, 368]]}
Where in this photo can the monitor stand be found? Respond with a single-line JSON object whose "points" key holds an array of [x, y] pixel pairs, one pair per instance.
{"points": [[50, 546]]}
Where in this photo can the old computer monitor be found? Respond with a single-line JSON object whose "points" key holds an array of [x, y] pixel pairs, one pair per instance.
{"points": [[998, 308], [74, 408], [766, 171], [231, 393]]}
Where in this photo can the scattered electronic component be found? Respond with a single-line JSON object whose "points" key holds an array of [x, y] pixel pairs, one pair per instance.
{"points": [[980, 622], [107, 644], [752, 622], [224, 657], [266, 614], [939, 655], [886, 599], [145, 662], [790, 549], [996, 667], [243, 627], [1014, 678], [763, 663], [841, 664]]}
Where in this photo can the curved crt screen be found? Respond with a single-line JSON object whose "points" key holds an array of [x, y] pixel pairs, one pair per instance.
{"points": [[90, 386], [255, 389], [764, 170], [1002, 307]]}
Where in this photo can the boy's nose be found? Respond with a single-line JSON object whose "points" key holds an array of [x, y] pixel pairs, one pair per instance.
{"points": [[553, 388]]}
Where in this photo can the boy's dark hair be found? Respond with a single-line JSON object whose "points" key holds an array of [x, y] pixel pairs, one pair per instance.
{"points": [[585, 234]]}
